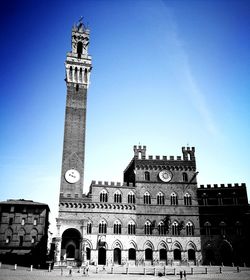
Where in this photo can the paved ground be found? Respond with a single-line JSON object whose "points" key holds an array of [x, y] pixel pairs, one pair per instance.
{"points": [[8, 273]]}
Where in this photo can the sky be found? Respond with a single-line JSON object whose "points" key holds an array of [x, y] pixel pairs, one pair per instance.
{"points": [[166, 74]]}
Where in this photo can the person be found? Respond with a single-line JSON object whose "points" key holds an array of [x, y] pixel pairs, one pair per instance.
{"points": [[184, 274], [87, 270], [180, 274]]}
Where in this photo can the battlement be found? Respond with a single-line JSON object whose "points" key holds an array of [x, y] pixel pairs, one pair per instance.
{"points": [[217, 186], [188, 153], [164, 158], [110, 184]]}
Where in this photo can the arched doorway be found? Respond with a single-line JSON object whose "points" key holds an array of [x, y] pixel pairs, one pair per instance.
{"points": [[148, 254], [226, 253], [163, 254], [191, 254], [71, 244], [132, 254], [117, 256], [102, 256], [70, 251], [177, 254]]}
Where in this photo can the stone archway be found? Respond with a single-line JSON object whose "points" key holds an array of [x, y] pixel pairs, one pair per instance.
{"points": [[70, 247], [117, 256], [102, 256]]}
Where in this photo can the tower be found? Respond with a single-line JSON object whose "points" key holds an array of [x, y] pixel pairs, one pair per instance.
{"points": [[78, 67]]}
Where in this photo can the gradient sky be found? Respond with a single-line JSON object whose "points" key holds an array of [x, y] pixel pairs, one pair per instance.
{"points": [[166, 74]]}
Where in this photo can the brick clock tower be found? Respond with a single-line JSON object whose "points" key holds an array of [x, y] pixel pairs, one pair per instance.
{"points": [[78, 67]]}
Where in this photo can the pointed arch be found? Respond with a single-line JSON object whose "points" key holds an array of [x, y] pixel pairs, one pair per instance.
{"points": [[117, 244], [148, 244]]}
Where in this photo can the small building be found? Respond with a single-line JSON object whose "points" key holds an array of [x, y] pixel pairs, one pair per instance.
{"points": [[23, 232]]}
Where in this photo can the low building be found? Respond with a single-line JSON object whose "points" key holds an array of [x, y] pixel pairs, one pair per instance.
{"points": [[23, 232]]}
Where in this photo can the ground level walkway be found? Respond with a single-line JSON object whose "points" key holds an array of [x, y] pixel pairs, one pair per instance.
{"points": [[8, 272]]}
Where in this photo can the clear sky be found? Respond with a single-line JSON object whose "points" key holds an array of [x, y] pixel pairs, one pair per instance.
{"points": [[166, 74]]}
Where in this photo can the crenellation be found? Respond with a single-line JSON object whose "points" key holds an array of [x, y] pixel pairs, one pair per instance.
{"points": [[171, 157], [164, 157], [218, 186]]}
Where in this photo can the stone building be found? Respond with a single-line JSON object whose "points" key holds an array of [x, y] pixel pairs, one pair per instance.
{"points": [[23, 232], [153, 217], [225, 223]]}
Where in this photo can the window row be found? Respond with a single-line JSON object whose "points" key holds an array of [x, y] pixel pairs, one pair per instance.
{"points": [[222, 228], [162, 228], [23, 221], [147, 176], [219, 200], [146, 198], [9, 239]]}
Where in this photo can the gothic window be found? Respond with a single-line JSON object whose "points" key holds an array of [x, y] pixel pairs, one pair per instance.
{"points": [[33, 239], [175, 228], [160, 198], [35, 222], [222, 228], [190, 228], [117, 197], [89, 227], [102, 227], [147, 198], [10, 221], [238, 228], [23, 222], [235, 199], [79, 49], [7, 240], [147, 176], [220, 201], [184, 177], [148, 228], [21, 240], [80, 75], [174, 199], [204, 199], [131, 197], [161, 228], [187, 199], [103, 196], [207, 227], [131, 227], [70, 73], [76, 73], [117, 227], [85, 76]]}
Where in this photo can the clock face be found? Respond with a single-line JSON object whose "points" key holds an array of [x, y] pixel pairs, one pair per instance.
{"points": [[165, 175], [72, 176]]}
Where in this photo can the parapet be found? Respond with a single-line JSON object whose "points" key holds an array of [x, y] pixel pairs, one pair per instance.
{"points": [[217, 186], [140, 152], [111, 184], [188, 153]]}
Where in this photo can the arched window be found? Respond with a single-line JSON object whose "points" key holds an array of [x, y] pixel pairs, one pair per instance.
{"points": [[220, 201], [79, 49], [102, 227], [85, 75], [80, 75], [131, 197], [147, 176], [161, 228], [70, 73], [222, 228], [148, 228], [117, 197], [103, 196], [175, 228], [76, 74], [89, 227], [207, 227], [147, 198], [160, 198], [204, 199], [174, 199], [187, 199], [238, 228], [117, 227], [184, 177], [131, 227], [189, 228]]}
